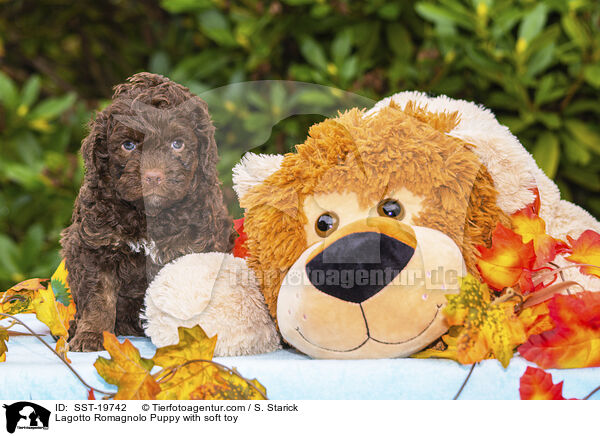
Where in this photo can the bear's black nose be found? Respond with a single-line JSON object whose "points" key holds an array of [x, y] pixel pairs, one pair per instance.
{"points": [[358, 266]]}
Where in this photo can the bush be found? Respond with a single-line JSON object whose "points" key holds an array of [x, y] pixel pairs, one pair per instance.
{"points": [[536, 64]]}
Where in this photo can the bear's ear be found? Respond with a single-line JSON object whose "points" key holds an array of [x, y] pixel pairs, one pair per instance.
{"points": [[252, 170], [514, 171]]}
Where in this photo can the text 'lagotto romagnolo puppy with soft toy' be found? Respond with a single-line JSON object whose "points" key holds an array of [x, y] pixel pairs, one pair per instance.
{"points": [[357, 237]]}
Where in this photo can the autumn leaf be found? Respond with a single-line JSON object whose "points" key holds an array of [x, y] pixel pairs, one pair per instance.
{"points": [[193, 344], [238, 248], [586, 250], [19, 298], [508, 262], [3, 341], [536, 319], [533, 228], [127, 370], [575, 340], [60, 285], [536, 384], [188, 372], [91, 395], [489, 328], [450, 352]]}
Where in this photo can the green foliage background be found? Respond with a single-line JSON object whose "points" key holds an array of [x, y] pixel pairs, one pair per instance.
{"points": [[536, 64]]}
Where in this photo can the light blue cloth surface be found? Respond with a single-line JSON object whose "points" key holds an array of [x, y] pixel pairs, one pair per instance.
{"points": [[31, 371]]}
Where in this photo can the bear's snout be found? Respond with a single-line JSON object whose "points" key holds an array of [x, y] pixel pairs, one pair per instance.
{"points": [[358, 265]]}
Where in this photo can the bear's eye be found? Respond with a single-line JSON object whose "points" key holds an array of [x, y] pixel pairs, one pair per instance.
{"points": [[128, 146], [326, 224], [390, 208]]}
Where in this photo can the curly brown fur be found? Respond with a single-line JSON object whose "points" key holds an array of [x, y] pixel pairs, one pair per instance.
{"points": [[153, 197]]}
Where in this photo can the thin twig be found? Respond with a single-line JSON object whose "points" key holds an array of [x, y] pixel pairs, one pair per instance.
{"points": [[39, 338], [587, 397], [465, 382]]}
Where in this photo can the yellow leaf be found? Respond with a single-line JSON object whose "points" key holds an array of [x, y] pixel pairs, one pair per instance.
{"points": [[19, 298], [127, 370], [46, 311], [488, 329], [193, 344], [3, 341], [189, 373]]}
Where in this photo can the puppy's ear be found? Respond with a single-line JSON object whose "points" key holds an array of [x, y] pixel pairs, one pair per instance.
{"points": [[196, 110], [94, 149]]}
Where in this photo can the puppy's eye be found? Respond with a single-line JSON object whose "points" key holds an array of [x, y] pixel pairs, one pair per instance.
{"points": [[177, 145], [128, 146], [390, 208], [326, 224]]}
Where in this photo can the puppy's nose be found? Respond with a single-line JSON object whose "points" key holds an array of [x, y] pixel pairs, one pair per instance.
{"points": [[153, 177], [362, 261]]}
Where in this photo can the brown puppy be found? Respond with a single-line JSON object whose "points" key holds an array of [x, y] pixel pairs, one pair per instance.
{"points": [[150, 194]]}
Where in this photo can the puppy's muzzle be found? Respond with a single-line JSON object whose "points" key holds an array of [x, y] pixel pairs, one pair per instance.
{"points": [[361, 259]]}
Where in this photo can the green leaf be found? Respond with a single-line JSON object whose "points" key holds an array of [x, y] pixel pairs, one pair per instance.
{"points": [[389, 11], [550, 119], [540, 60], [591, 73], [32, 245], [8, 91], [435, 13], [533, 22], [504, 22], [31, 91], [575, 152], [585, 134], [313, 53], [52, 107], [398, 39], [8, 254], [546, 152], [216, 27], [179, 6], [61, 293], [575, 29], [341, 46]]}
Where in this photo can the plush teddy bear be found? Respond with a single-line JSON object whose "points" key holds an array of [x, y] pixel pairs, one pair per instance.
{"points": [[356, 238]]}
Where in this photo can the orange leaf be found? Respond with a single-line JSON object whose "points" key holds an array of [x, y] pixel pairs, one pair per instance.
{"points": [[575, 341], [239, 250], [532, 228], [91, 395], [508, 262], [536, 384], [586, 249], [536, 319], [127, 370]]}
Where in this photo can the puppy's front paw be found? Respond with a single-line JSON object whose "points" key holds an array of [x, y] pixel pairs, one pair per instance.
{"points": [[86, 341]]}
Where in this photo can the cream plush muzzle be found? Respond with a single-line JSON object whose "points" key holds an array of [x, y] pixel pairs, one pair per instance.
{"points": [[382, 299]]}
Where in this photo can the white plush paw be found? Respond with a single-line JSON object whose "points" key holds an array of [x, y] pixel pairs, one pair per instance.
{"points": [[183, 288]]}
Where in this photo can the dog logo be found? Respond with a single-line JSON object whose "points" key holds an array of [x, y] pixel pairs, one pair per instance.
{"points": [[26, 415]]}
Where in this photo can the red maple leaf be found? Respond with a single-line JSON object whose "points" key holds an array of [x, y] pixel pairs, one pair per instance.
{"points": [[239, 250], [508, 262], [575, 340], [586, 249], [532, 228], [536, 384]]}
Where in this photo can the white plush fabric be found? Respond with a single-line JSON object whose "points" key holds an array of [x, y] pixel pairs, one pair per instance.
{"points": [[252, 170], [216, 291]]}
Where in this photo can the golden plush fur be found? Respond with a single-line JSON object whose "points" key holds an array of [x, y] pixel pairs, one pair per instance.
{"points": [[371, 156]]}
